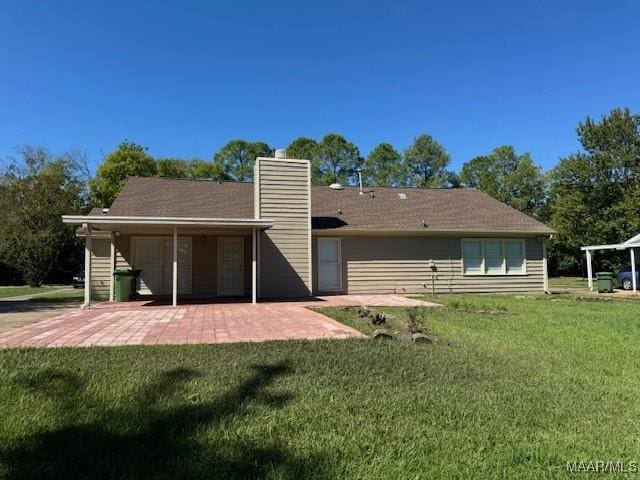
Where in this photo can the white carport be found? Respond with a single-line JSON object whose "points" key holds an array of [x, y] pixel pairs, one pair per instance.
{"points": [[110, 223], [630, 245]]}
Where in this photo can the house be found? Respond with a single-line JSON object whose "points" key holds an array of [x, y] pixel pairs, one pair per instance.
{"points": [[282, 237]]}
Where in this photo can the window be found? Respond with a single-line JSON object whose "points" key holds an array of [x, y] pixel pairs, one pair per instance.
{"points": [[493, 257]]}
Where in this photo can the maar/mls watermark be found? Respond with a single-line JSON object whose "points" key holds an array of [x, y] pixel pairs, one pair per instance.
{"points": [[602, 466]]}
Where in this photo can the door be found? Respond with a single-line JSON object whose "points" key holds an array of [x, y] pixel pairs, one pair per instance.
{"points": [[154, 256], [329, 265], [148, 258], [230, 266]]}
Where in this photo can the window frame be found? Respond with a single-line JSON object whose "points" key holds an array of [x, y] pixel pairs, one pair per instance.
{"points": [[338, 263], [503, 242]]}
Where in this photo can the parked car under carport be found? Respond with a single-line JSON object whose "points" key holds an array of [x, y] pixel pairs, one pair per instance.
{"points": [[625, 277]]}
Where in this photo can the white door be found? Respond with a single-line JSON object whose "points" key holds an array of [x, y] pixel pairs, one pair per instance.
{"points": [[148, 258], [329, 264], [230, 266], [154, 256]]}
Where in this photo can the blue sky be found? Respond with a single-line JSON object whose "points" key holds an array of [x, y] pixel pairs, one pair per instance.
{"points": [[185, 77]]}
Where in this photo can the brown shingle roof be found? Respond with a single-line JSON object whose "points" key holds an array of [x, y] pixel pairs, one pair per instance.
{"points": [[442, 210], [163, 197]]}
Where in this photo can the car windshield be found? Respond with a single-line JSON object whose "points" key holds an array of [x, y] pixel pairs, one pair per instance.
{"points": [[628, 268]]}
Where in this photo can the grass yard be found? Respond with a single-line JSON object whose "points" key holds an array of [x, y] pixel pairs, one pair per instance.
{"points": [[62, 296], [525, 384], [6, 292], [568, 282]]}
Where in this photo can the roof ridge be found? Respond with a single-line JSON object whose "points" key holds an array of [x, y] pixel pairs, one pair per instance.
{"points": [[204, 180]]}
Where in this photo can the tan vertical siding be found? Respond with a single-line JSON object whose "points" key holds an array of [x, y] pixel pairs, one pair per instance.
{"points": [[283, 195], [424, 264], [204, 263], [100, 269]]}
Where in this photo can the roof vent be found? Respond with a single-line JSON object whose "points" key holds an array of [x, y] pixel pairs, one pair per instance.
{"points": [[105, 211], [403, 196], [281, 153], [336, 186]]}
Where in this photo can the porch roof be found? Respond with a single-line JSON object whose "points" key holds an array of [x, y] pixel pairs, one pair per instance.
{"points": [[114, 222]]}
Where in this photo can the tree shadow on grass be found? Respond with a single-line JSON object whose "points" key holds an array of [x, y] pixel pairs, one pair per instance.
{"points": [[149, 440]]}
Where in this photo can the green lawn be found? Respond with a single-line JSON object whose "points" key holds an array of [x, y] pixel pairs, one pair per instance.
{"points": [[6, 292], [64, 296], [525, 384], [573, 282]]}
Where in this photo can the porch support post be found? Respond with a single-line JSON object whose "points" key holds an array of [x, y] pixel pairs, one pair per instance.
{"points": [[589, 270], [112, 265], [545, 266], [87, 267], [254, 267], [175, 266], [633, 269]]}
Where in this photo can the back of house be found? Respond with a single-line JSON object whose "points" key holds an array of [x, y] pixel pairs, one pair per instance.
{"points": [[281, 237]]}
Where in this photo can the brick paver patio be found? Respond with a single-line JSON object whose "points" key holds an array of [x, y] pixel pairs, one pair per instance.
{"points": [[146, 323]]}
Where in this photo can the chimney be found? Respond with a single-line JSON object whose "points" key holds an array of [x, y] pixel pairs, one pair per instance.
{"points": [[282, 189]]}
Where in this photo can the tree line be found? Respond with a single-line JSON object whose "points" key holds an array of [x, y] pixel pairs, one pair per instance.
{"points": [[591, 196]]}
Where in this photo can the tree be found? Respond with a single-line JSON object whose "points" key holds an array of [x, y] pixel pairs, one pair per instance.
{"points": [[336, 161], [426, 162], [303, 147], [594, 193], [128, 160], [383, 167], [511, 178], [237, 157], [35, 191], [172, 168], [200, 169], [194, 169]]}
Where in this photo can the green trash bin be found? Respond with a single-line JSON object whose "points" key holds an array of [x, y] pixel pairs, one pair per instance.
{"points": [[125, 283], [604, 281]]}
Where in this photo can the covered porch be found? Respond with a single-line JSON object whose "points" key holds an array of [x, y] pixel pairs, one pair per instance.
{"points": [[629, 245], [179, 258]]}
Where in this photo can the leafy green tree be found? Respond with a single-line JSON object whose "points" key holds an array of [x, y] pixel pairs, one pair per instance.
{"points": [[303, 147], [336, 160], [594, 193], [172, 168], [511, 178], [237, 157], [383, 167], [35, 191], [200, 169], [128, 160], [426, 162], [194, 169]]}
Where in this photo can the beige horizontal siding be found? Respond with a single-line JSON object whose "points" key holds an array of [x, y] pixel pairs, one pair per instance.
{"points": [[283, 195], [100, 269], [403, 265], [123, 251]]}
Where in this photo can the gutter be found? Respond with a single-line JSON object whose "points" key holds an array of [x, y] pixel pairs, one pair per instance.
{"points": [[177, 221]]}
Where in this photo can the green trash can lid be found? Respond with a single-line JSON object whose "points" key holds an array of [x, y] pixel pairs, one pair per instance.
{"points": [[127, 272]]}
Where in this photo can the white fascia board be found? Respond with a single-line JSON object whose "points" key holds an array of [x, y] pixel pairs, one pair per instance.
{"points": [[613, 246], [184, 221], [338, 232], [633, 240]]}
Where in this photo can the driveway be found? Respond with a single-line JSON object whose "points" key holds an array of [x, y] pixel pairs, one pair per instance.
{"points": [[146, 323], [19, 311]]}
